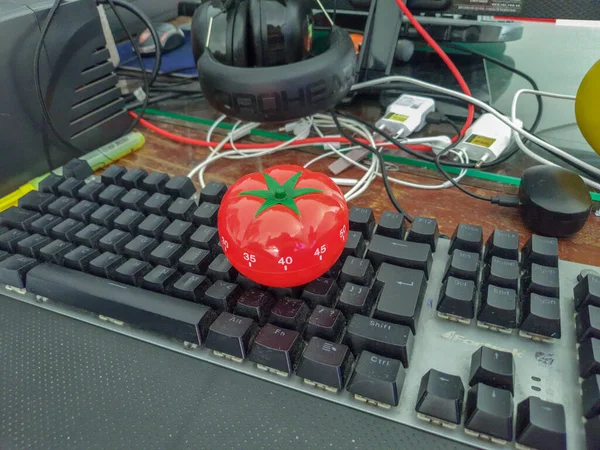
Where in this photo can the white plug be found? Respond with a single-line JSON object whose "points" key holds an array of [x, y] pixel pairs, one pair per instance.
{"points": [[406, 115]]}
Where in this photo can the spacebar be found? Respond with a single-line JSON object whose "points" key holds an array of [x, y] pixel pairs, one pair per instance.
{"points": [[144, 309]]}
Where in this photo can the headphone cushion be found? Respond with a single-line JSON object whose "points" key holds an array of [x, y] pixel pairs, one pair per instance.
{"points": [[239, 36], [255, 16]]}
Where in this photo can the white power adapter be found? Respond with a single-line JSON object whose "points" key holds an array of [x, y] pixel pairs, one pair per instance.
{"points": [[406, 115], [487, 138]]}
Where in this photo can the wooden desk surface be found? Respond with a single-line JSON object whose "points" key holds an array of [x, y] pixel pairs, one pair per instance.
{"points": [[448, 206]]}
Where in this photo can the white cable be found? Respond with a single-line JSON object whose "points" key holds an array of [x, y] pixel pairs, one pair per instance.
{"points": [[476, 102]]}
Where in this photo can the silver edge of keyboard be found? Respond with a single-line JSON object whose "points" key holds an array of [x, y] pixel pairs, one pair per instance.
{"points": [[439, 344]]}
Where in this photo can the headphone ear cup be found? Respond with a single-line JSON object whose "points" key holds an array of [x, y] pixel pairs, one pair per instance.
{"points": [[239, 36], [255, 16]]}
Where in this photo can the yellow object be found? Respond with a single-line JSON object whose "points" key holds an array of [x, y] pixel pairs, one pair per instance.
{"points": [[587, 107], [13, 198]]}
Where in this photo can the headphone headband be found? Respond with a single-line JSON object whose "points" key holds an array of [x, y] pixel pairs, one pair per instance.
{"points": [[280, 93]]}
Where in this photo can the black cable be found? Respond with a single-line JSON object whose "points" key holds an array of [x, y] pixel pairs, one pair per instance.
{"points": [[379, 156]]}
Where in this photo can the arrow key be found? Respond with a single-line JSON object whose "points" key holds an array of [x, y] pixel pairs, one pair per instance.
{"points": [[440, 399], [541, 424], [492, 367], [489, 414]]}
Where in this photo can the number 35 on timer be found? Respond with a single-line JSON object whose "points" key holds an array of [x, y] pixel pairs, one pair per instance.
{"points": [[283, 227]]}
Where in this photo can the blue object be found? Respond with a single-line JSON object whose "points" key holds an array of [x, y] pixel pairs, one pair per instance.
{"points": [[179, 58]]}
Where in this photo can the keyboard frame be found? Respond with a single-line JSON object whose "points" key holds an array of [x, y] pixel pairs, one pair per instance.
{"points": [[448, 346]]}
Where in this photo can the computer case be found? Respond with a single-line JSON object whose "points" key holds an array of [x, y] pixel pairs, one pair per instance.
{"points": [[77, 79]]}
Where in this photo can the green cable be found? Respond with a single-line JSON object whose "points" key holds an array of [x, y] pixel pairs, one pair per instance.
{"points": [[488, 176]]}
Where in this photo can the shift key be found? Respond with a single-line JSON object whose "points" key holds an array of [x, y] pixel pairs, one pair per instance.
{"points": [[413, 255], [401, 293], [380, 337]]}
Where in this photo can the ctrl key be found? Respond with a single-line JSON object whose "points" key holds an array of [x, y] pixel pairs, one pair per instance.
{"points": [[377, 380], [440, 399], [325, 365], [231, 336]]}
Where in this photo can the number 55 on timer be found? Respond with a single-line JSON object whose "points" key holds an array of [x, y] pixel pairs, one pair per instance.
{"points": [[283, 227]]}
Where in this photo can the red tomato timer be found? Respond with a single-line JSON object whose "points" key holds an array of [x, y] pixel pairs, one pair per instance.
{"points": [[283, 227]]}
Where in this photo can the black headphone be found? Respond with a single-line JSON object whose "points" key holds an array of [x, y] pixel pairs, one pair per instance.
{"points": [[253, 60]]}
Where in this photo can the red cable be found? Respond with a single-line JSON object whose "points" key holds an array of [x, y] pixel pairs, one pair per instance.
{"points": [[442, 54]]}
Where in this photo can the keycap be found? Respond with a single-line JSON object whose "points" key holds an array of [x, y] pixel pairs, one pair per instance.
{"points": [[155, 182], [112, 195], [213, 192], [325, 364], [222, 296], [362, 220], [195, 260], [540, 250], [182, 209], [55, 251], [355, 245], [412, 255], [70, 187], [377, 379], [134, 178], [383, 338], [45, 224], [541, 424], [321, 291], [83, 210], [206, 214], [153, 226], [148, 310], [90, 235], [158, 204], [113, 175], [468, 238], [166, 253], [289, 313], [540, 316], [464, 265], [255, 304], [276, 349], [502, 273], [77, 168], [128, 221], [66, 230], [243, 281], [115, 241], [106, 265], [279, 292], [498, 307], [134, 199], [36, 201], [440, 398], [61, 206], [14, 269], [160, 279], [4, 229], [180, 187], [391, 224], [542, 280], [503, 244], [589, 358], [10, 240], [592, 433], [51, 183], [132, 272], [326, 323], [231, 335], [221, 269], [179, 231], [587, 292], [91, 191], [4, 255], [492, 367], [205, 237], [18, 217], [140, 247], [105, 216], [31, 245], [80, 257], [457, 300], [587, 323], [357, 271], [190, 287], [425, 231], [355, 299], [590, 396], [489, 413]]}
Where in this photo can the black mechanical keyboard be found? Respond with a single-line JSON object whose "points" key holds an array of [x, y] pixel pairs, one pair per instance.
{"points": [[490, 345]]}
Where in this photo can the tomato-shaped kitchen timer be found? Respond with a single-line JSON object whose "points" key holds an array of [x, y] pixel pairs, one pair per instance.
{"points": [[283, 227]]}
